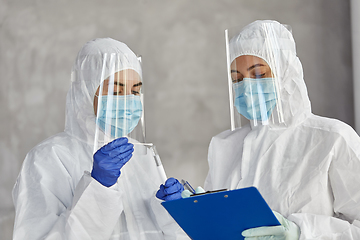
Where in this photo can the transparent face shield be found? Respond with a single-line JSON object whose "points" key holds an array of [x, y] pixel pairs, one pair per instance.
{"points": [[119, 108], [254, 71], [119, 103]]}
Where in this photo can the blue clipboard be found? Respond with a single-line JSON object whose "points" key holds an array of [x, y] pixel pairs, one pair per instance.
{"points": [[221, 215]]}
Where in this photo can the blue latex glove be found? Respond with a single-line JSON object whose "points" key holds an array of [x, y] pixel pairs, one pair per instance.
{"points": [[171, 190], [109, 159], [286, 231]]}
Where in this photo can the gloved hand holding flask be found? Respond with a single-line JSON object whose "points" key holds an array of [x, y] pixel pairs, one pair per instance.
{"points": [[109, 159]]}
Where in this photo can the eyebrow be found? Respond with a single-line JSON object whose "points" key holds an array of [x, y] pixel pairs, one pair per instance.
{"points": [[122, 85], [137, 84], [250, 68], [256, 65]]}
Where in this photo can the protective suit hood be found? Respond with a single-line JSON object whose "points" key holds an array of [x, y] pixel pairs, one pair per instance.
{"points": [[92, 66], [274, 43]]}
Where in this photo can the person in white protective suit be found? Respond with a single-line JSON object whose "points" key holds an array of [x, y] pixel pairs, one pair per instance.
{"points": [[64, 190], [305, 166]]}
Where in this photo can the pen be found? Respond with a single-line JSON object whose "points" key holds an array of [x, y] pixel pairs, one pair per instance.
{"points": [[188, 186]]}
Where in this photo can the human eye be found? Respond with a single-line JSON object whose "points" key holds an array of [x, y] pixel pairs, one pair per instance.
{"points": [[236, 77], [258, 73], [261, 75], [135, 92], [118, 91]]}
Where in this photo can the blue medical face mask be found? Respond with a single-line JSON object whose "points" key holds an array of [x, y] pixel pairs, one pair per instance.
{"points": [[255, 99], [121, 113]]}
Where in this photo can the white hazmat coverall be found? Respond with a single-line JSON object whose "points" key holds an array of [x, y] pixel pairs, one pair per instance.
{"points": [[55, 196], [306, 168]]}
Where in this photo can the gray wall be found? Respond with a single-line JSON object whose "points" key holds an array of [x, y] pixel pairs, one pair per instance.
{"points": [[183, 49]]}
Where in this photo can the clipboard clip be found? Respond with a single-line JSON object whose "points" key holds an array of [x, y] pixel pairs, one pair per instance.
{"points": [[188, 187], [215, 191]]}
